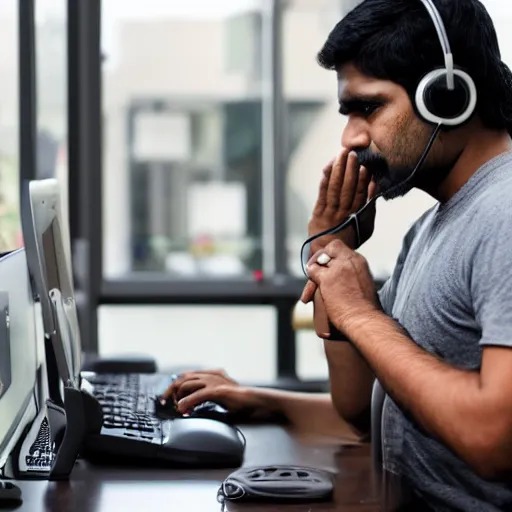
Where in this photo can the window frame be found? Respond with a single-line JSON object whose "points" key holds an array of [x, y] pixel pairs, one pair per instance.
{"points": [[27, 93]]}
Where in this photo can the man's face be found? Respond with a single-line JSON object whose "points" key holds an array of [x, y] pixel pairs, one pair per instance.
{"points": [[387, 135]]}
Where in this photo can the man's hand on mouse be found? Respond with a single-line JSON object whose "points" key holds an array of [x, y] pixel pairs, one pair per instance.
{"points": [[193, 388], [345, 188]]}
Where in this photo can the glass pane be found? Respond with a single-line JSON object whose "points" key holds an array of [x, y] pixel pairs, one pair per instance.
{"points": [[182, 137], [10, 227], [51, 66], [314, 133], [239, 339], [311, 360]]}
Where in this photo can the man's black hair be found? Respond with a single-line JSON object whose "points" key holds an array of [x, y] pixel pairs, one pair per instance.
{"points": [[396, 40]]}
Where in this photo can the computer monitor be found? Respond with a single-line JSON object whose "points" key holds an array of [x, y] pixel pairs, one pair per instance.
{"points": [[46, 238], [19, 355]]}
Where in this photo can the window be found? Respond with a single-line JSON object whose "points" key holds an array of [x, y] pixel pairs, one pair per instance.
{"points": [[51, 69], [10, 226], [183, 125], [239, 339]]}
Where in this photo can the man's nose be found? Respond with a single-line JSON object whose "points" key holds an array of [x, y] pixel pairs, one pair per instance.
{"points": [[355, 135]]}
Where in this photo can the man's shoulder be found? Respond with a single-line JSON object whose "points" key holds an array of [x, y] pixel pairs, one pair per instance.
{"points": [[494, 203]]}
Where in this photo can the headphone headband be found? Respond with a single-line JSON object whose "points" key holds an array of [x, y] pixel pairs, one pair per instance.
{"points": [[443, 39], [445, 97]]}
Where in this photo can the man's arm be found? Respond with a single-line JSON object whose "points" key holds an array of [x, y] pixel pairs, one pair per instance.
{"points": [[351, 383], [470, 412], [308, 413]]}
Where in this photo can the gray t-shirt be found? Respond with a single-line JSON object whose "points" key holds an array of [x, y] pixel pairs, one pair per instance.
{"points": [[452, 291]]}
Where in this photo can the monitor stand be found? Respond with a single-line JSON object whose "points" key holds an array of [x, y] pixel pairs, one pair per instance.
{"points": [[74, 417], [70, 427]]}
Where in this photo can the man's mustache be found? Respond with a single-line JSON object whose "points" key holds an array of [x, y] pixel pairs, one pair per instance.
{"points": [[375, 163]]}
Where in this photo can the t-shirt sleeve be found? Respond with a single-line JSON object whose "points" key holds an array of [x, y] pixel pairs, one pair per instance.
{"points": [[491, 281], [387, 294]]}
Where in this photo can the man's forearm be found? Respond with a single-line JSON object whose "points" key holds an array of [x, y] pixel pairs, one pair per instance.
{"points": [[447, 402], [351, 381], [308, 413]]}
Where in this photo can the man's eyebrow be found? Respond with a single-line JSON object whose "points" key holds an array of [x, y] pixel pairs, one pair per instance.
{"points": [[350, 103]]}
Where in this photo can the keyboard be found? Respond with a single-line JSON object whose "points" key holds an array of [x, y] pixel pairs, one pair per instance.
{"points": [[128, 403], [132, 432]]}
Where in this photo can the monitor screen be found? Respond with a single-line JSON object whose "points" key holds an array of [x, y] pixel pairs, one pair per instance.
{"points": [[58, 280], [18, 350], [5, 344], [48, 257]]}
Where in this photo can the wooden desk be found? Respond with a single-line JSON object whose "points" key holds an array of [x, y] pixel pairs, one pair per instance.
{"points": [[101, 489]]}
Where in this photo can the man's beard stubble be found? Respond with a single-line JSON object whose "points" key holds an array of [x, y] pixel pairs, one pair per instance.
{"points": [[395, 180]]}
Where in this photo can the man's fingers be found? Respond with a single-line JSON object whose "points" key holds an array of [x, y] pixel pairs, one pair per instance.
{"points": [[363, 184], [373, 190], [332, 249], [189, 387], [336, 180], [190, 401], [171, 390], [309, 292], [217, 371], [321, 201], [314, 270], [348, 191], [335, 250]]}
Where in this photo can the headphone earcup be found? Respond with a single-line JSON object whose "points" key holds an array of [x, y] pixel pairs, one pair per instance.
{"points": [[439, 105], [445, 103]]}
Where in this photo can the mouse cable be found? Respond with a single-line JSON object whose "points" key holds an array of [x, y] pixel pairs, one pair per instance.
{"points": [[244, 440]]}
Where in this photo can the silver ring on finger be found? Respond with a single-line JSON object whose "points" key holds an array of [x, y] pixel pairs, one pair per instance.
{"points": [[323, 260]]}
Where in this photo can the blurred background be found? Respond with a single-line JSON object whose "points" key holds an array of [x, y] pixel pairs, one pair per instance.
{"points": [[204, 126]]}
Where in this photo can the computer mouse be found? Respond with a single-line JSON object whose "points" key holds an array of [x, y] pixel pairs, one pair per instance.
{"points": [[204, 442], [210, 410], [167, 410]]}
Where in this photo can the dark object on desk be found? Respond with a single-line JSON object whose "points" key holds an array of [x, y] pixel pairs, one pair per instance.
{"points": [[290, 484], [120, 364], [208, 410], [68, 428], [10, 495]]}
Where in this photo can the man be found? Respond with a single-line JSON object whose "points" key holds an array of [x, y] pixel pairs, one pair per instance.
{"points": [[438, 336]]}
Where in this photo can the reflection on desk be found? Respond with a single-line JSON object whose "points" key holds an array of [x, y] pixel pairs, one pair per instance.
{"points": [[102, 489]]}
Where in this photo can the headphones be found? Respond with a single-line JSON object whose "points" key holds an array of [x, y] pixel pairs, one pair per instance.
{"points": [[445, 96]]}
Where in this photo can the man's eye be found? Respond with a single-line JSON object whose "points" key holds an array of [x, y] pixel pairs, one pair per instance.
{"points": [[368, 110], [359, 108]]}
